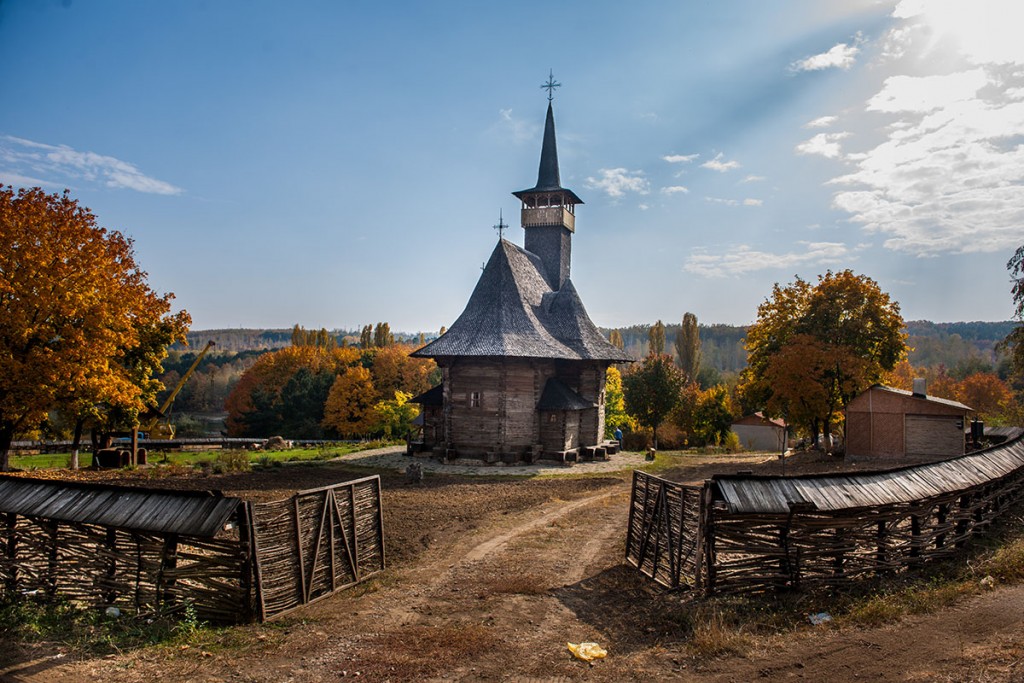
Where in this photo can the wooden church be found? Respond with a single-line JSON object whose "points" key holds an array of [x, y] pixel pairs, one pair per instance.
{"points": [[523, 366]]}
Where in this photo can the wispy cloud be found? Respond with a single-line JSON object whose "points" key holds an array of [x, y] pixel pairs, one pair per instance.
{"points": [[753, 179], [616, 182], [743, 259], [520, 130], [821, 122], [675, 189], [680, 158], [825, 144], [734, 202], [752, 202], [841, 56], [717, 164], [58, 165]]}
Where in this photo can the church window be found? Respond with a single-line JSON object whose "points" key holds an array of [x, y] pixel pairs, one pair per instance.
{"points": [[474, 399]]}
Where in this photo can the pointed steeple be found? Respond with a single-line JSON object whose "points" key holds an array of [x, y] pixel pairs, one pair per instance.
{"points": [[548, 177], [549, 210]]}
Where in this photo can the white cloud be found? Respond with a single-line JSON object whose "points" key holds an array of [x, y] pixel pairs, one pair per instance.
{"points": [[675, 189], [821, 122], [825, 144], [62, 165], [643, 207], [841, 56], [947, 175], [717, 164], [719, 200], [753, 179], [743, 259], [752, 202], [616, 182], [680, 158], [927, 93]]}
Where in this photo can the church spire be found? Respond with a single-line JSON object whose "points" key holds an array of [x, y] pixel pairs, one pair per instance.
{"points": [[548, 209]]}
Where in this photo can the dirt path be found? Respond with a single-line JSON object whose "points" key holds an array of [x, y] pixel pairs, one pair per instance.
{"points": [[503, 574]]}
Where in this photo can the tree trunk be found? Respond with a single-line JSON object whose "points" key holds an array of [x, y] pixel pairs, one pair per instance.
{"points": [[655, 437], [6, 437], [76, 442]]}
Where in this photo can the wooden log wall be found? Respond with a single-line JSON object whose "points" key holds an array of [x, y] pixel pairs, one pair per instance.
{"points": [[136, 572], [315, 543], [679, 538], [663, 538]]}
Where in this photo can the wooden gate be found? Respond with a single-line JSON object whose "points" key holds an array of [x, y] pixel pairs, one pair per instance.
{"points": [[664, 539], [315, 543]]}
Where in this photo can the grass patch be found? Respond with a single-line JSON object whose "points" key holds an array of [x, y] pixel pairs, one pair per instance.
{"points": [[230, 460], [90, 631]]}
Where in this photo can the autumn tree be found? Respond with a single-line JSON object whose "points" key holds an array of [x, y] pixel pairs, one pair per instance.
{"points": [[615, 414], [382, 336], [990, 396], [712, 415], [265, 400], [366, 337], [394, 369], [813, 348], [652, 391], [349, 410], [615, 339], [656, 339], [80, 324], [688, 346]]}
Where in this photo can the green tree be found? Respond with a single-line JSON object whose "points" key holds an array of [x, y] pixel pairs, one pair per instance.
{"points": [[652, 391], [813, 349], [1014, 342], [688, 346], [712, 416], [656, 339], [366, 337], [80, 325], [393, 418]]}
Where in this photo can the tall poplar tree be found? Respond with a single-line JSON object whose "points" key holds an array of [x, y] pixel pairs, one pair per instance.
{"points": [[688, 346]]}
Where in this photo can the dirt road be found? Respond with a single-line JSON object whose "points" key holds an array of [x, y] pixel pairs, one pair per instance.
{"points": [[490, 579]]}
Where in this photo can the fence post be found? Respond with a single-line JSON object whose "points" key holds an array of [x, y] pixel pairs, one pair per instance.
{"points": [[12, 553], [51, 563], [706, 534]]}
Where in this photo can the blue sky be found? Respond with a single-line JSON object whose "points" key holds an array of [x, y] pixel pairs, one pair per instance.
{"points": [[341, 163]]}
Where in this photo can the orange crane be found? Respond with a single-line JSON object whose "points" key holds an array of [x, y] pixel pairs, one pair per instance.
{"points": [[153, 428]]}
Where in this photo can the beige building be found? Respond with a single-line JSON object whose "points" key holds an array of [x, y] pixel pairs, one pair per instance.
{"points": [[886, 423], [759, 433]]}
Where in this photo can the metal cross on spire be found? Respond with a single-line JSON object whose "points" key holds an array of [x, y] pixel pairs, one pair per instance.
{"points": [[551, 85], [500, 227]]}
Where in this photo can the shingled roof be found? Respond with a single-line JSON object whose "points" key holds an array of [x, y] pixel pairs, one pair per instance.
{"points": [[513, 312]]}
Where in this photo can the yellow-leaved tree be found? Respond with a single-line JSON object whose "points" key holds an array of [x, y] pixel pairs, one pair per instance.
{"points": [[81, 329], [349, 410]]}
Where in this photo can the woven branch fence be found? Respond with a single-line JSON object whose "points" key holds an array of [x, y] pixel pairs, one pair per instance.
{"points": [[691, 537], [264, 560]]}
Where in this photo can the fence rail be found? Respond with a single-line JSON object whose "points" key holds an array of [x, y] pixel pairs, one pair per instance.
{"points": [[688, 537]]}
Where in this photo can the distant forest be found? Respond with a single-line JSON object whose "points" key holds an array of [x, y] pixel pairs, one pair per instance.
{"points": [[960, 348]]}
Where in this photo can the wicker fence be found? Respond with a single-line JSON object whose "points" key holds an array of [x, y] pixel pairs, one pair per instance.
{"points": [[253, 562], [690, 537]]}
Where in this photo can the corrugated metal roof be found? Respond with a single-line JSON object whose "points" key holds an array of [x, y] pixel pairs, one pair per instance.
{"points": [[773, 494], [187, 513], [922, 397]]}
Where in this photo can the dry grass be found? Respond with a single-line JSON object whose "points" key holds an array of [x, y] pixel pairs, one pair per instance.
{"points": [[419, 652]]}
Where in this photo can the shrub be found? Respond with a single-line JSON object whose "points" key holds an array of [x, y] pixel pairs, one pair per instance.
{"points": [[232, 461], [732, 442]]}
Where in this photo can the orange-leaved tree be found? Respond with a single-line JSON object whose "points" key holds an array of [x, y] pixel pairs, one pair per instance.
{"points": [[349, 410], [258, 403], [81, 327], [813, 349]]}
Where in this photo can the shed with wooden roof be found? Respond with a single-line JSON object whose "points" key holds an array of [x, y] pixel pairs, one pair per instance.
{"points": [[524, 366], [888, 424]]}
